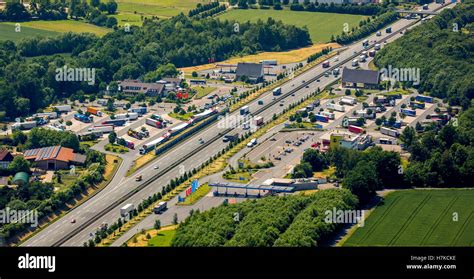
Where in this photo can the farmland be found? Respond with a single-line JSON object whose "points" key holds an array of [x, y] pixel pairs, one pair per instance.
{"points": [[49, 28], [320, 25], [7, 32], [419, 218]]}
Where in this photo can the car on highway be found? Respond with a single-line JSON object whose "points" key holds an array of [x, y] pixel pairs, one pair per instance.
{"points": [[273, 139], [73, 221], [156, 167], [138, 178]]}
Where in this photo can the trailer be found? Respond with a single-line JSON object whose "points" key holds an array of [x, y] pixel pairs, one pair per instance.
{"points": [[244, 110], [175, 130], [154, 123], [152, 144], [417, 105], [27, 125], [258, 120], [426, 99], [49, 115], [83, 118], [127, 116], [140, 110], [409, 112], [160, 207], [389, 132], [115, 122], [348, 101], [62, 108], [336, 107], [277, 91], [372, 53], [321, 118], [124, 211], [365, 114], [101, 129], [355, 129], [94, 111], [377, 47], [329, 115]]}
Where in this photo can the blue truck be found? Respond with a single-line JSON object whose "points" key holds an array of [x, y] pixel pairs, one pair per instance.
{"points": [[115, 122], [417, 105], [82, 117], [409, 112], [321, 118], [426, 99], [140, 110]]}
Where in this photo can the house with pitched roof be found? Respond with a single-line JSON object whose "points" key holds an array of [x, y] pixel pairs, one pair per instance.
{"points": [[253, 72], [54, 157], [6, 158]]}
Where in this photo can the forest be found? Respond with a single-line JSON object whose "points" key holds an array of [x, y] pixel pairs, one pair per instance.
{"points": [[28, 85], [443, 49], [295, 220]]}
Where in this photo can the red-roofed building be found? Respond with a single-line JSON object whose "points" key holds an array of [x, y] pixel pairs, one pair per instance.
{"points": [[54, 157]]}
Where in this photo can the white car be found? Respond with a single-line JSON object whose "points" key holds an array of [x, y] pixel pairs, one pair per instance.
{"points": [[156, 167]]}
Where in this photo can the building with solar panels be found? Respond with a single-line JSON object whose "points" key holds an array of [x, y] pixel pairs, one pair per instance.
{"points": [[54, 157]]}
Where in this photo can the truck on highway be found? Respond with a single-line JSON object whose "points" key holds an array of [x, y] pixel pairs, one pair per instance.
{"points": [[94, 111], [126, 209], [336, 72], [365, 42], [372, 53], [154, 123], [388, 132], [336, 107], [232, 137], [138, 178], [362, 58], [326, 64], [355, 129], [244, 110], [425, 7], [321, 118], [409, 112], [277, 91], [101, 129], [258, 120], [388, 30], [147, 147], [377, 47], [160, 207]]}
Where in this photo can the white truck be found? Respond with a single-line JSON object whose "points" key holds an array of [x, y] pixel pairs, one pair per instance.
{"points": [[388, 132], [27, 125], [129, 116], [348, 101], [328, 114], [336, 107], [244, 110], [102, 129], [355, 63], [124, 211]]}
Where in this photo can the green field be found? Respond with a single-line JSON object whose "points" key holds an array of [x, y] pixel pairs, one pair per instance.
{"points": [[131, 11], [320, 25], [419, 218], [7, 32], [162, 239]]}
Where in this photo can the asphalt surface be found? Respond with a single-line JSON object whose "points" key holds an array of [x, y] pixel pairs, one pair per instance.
{"points": [[90, 209]]}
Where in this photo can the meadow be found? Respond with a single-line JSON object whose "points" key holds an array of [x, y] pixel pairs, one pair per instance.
{"points": [[320, 25], [7, 32], [419, 218]]}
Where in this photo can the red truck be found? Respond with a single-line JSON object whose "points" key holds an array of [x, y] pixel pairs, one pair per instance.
{"points": [[355, 129]]}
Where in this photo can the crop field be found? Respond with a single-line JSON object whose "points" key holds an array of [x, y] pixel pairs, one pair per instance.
{"points": [[420, 218], [159, 8], [49, 28], [320, 25], [7, 32]]}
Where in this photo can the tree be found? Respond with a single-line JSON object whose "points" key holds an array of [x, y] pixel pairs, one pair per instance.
{"points": [[111, 7], [19, 164], [302, 170], [408, 136], [157, 224], [362, 181], [112, 137]]}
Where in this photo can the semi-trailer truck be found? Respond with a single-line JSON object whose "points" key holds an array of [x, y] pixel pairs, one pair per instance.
{"points": [[160, 207], [326, 64], [124, 211], [388, 30], [426, 99], [115, 122], [336, 107], [277, 91], [355, 63], [230, 138], [355, 129], [329, 115], [154, 123], [321, 118], [102, 129], [27, 125], [82, 117], [94, 111], [409, 112], [348, 101], [244, 110], [258, 120], [140, 110], [389, 132]]}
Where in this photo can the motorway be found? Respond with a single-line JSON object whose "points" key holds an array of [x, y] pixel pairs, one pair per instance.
{"points": [[104, 206]]}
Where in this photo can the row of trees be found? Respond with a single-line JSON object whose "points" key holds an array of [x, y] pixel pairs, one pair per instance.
{"points": [[355, 9], [267, 222], [442, 50], [202, 8]]}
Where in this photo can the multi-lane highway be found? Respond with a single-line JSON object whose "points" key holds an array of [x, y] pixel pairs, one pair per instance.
{"points": [[104, 206]]}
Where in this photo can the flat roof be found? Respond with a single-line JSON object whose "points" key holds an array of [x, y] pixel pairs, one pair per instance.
{"points": [[253, 187]]}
